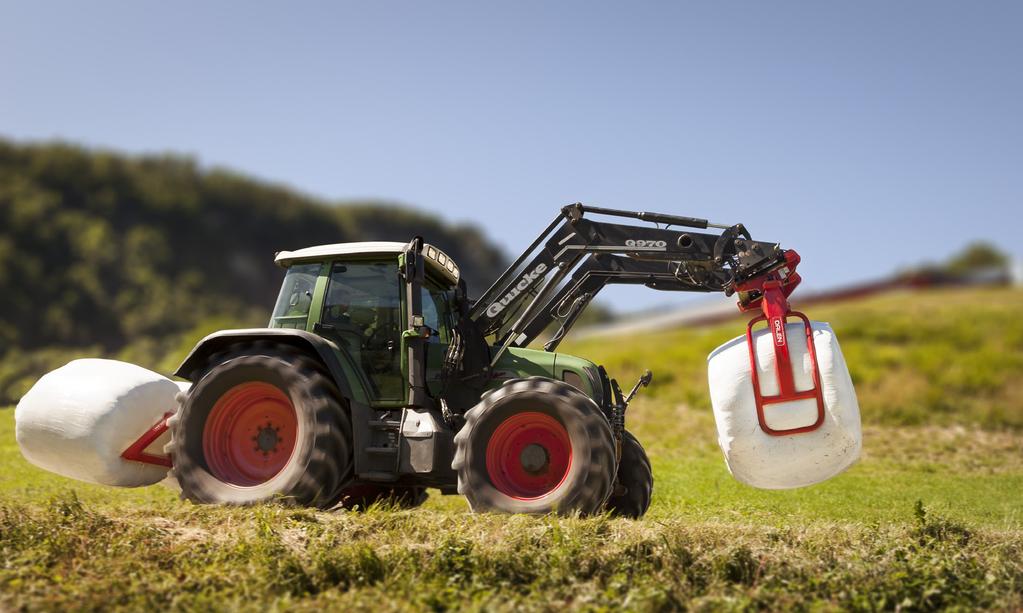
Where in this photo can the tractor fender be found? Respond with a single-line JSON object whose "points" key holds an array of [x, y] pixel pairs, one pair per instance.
{"points": [[328, 353]]}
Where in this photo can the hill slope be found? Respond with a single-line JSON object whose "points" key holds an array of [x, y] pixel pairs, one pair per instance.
{"points": [[102, 252], [928, 519]]}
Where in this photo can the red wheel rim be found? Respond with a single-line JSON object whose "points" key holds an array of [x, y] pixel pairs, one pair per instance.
{"points": [[250, 434], [529, 455]]}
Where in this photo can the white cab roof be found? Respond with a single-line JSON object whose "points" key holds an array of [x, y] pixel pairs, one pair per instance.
{"points": [[319, 252], [436, 259]]}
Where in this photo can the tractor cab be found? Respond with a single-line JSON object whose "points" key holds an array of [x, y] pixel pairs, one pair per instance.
{"points": [[368, 300]]}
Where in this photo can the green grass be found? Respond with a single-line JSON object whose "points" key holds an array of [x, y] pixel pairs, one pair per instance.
{"points": [[931, 517], [64, 553]]}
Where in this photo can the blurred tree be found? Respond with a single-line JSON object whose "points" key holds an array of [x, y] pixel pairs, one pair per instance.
{"points": [[977, 256]]}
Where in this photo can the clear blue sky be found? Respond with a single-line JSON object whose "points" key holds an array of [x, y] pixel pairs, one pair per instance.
{"points": [[867, 135]]}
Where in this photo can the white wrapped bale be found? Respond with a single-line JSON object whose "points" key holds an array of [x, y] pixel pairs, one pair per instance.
{"points": [[77, 420], [787, 461]]}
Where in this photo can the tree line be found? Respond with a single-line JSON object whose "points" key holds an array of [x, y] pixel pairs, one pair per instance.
{"points": [[128, 256]]}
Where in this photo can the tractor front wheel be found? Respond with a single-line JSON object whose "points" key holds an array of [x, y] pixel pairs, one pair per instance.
{"points": [[635, 483], [262, 423], [535, 446]]}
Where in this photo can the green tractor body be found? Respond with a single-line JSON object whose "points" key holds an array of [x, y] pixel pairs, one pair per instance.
{"points": [[346, 309]]}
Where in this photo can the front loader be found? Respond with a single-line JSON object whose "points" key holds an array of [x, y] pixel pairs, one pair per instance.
{"points": [[378, 377]]}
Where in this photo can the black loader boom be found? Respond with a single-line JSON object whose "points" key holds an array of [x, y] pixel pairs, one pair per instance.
{"points": [[575, 257]]}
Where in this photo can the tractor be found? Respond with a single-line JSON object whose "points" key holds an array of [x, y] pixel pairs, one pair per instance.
{"points": [[378, 377]]}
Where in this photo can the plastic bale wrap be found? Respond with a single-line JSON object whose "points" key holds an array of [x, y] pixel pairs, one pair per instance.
{"points": [[77, 420], [787, 461]]}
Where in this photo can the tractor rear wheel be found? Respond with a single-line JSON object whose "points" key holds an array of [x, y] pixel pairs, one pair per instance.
{"points": [[635, 483], [535, 446], [261, 423]]}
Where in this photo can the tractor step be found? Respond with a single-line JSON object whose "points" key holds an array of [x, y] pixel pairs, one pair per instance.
{"points": [[378, 460]]}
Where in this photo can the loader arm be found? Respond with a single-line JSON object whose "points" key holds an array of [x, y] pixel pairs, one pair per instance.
{"points": [[575, 257]]}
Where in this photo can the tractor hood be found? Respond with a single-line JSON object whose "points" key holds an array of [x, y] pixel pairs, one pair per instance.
{"points": [[581, 373]]}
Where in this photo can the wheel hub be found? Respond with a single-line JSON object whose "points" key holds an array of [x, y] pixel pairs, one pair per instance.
{"points": [[267, 439], [534, 458]]}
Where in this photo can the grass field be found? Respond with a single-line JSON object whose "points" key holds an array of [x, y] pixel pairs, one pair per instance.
{"points": [[931, 517]]}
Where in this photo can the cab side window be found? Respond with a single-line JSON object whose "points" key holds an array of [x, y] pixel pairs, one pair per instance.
{"points": [[292, 309]]}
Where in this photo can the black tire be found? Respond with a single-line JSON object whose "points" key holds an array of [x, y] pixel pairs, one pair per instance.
{"points": [[635, 483], [318, 463], [537, 421], [362, 496]]}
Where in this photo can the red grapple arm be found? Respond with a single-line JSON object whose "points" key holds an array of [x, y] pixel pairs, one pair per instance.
{"points": [[769, 293]]}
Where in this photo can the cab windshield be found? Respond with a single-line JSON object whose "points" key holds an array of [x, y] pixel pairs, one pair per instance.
{"points": [[292, 309]]}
